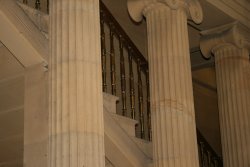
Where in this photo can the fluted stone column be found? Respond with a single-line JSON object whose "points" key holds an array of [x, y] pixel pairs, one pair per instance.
{"points": [[173, 118], [231, 51], [76, 110]]}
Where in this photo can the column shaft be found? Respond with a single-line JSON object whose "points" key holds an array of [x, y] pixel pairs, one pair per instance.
{"points": [[76, 110], [232, 73], [173, 118]]}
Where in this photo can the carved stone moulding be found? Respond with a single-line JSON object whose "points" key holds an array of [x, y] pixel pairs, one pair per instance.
{"points": [[236, 9], [138, 8], [234, 34]]}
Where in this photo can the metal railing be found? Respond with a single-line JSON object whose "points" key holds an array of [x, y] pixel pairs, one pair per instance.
{"points": [[125, 74], [207, 156]]}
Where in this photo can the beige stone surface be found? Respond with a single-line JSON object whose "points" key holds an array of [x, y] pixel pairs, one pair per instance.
{"points": [[11, 110], [237, 9], [231, 51], [120, 149], [21, 36], [40, 19], [232, 65], [76, 103], [36, 125], [5, 101], [10, 67], [108, 163], [172, 105]]}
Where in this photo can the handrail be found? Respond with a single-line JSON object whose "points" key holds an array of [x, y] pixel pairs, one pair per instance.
{"points": [[208, 157], [108, 17], [139, 110]]}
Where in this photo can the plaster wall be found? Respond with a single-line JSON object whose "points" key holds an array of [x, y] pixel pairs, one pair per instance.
{"points": [[11, 110]]}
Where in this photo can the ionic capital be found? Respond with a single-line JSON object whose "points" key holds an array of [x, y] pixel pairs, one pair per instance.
{"points": [[138, 8], [233, 34]]}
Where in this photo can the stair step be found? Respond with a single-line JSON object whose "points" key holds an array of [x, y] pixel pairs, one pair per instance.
{"points": [[126, 123], [141, 149], [145, 146], [120, 149], [108, 163], [151, 164], [110, 102]]}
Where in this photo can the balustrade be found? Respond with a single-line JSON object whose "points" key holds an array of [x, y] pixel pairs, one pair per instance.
{"points": [[125, 74], [127, 67], [207, 156]]}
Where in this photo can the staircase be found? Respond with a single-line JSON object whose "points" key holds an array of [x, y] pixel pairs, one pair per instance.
{"points": [[127, 122], [122, 148]]}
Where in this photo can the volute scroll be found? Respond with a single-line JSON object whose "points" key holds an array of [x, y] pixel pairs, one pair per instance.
{"points": [[193, 7]]}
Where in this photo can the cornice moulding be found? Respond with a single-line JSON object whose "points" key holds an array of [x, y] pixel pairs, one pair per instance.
{"points": [[237, 9], [234, 34]]}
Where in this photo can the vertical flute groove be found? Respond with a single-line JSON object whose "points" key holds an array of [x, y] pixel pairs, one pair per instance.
{"points": [[172, 106], [76, 109], [233, 92]]}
